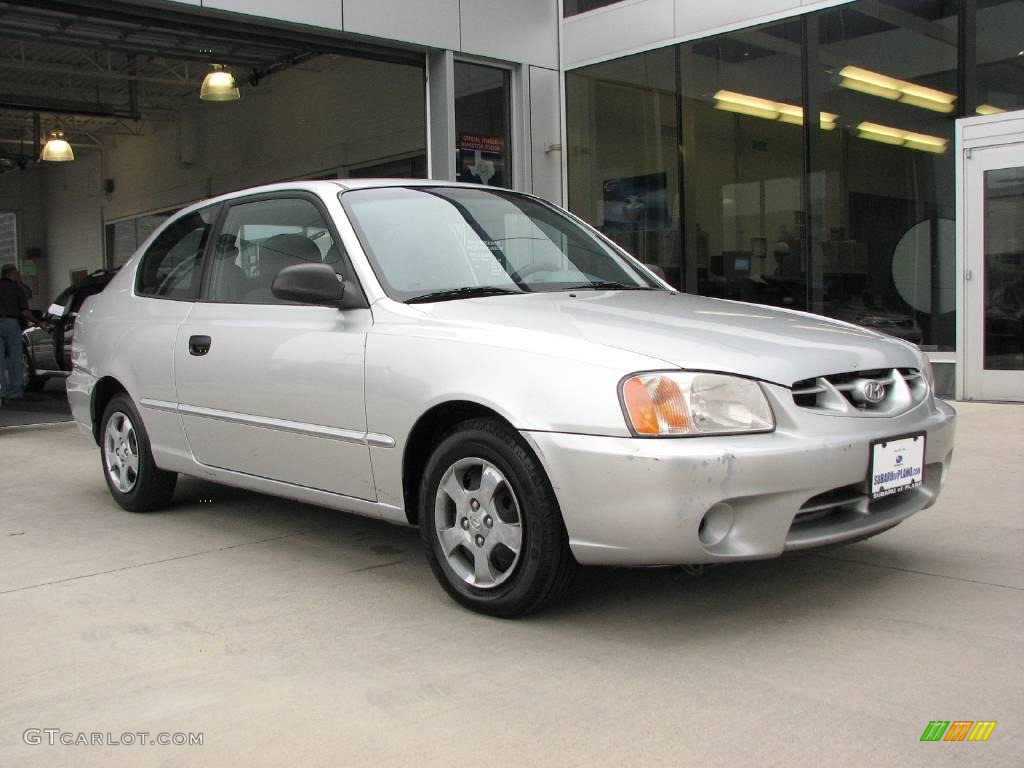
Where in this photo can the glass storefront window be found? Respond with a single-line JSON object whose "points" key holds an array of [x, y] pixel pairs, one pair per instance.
{"points": [[850, 215], [742, 112], [623, 131], [999, 48], [882, 245], [624, 156], [1004, 269], [482, 125]]}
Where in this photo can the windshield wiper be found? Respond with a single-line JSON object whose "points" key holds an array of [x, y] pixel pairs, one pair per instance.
{"points": [[466, 292], [607, 286]]}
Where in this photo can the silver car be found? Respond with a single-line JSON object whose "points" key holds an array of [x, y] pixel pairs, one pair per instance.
{"points": [[484, 365]]}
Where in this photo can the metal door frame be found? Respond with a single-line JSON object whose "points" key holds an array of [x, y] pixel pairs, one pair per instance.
{"points": [[974, 133]]}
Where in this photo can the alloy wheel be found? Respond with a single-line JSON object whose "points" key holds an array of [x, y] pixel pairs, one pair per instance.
{"points": [[121, 452], [478, 522]]}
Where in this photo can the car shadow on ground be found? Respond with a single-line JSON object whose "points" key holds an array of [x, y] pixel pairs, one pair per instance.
{"points": [[741, 598]]}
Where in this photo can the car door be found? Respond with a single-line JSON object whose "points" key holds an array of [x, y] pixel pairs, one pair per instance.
{"points": [[166, 285], [267, 387]]}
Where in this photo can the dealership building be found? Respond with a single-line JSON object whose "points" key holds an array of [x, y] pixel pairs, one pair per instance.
{"points": [[862, 160]]}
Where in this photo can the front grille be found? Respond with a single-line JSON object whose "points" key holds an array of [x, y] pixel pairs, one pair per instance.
{"points": [[848, 499], [848, 512], [882, 392]]}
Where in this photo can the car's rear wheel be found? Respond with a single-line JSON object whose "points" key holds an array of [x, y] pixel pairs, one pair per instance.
{"points": [[134, 480], [490, 523]]}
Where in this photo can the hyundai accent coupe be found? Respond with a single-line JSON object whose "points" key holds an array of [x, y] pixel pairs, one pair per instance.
{"points": [[485, 366]]}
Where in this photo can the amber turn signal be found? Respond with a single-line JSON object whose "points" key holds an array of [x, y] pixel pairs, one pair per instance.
{"points": [[655, 405]]}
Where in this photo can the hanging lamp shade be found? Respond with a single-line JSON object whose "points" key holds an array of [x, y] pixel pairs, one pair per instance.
{"points": [[219, 85], [56, 149]]}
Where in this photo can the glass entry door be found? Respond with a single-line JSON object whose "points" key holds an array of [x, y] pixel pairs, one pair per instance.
{"points": [[994, 270]]}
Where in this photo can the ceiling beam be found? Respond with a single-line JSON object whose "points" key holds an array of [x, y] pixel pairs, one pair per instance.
{"points": [[95, 73], [23, 103]]}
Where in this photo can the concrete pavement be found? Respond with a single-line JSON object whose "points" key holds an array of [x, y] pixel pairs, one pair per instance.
{"points": [[292, 635]]}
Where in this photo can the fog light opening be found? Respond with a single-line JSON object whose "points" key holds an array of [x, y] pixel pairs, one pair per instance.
{"points": [[716, 524]]}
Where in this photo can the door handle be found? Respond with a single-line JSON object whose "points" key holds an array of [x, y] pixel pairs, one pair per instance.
{"points": [[198, 345]]}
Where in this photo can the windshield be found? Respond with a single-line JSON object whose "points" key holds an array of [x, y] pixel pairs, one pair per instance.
{"points": [[461, 242]]}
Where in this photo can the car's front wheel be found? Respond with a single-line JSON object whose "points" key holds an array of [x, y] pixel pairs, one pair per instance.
{"points": [[490, 523], [134, 480]]}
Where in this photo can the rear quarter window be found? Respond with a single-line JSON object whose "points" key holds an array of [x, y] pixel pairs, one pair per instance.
{"points": [[172, 266]]}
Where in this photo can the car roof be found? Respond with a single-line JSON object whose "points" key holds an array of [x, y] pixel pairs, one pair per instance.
{"points": [[331, 186]]}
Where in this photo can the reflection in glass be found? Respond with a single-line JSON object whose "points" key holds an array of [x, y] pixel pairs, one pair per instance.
{"points": [[999, 41], [623, 125], [882, 202], [1004, 269], [483, 141], [742, 113], [850, 215]]}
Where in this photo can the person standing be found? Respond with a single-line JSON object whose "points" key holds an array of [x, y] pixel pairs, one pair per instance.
{"points": [[13, 311]]}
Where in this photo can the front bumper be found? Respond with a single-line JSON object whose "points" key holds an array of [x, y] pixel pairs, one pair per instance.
{"points": [[634, 501]]}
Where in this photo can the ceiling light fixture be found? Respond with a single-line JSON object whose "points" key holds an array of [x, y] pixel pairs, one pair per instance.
{"points": [[897, 137], [56, 149], [883, 86], [741, 103], [219, 85], [988, 109]]}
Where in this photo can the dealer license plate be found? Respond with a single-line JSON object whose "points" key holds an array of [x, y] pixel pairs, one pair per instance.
{"points": [[896, 465]]}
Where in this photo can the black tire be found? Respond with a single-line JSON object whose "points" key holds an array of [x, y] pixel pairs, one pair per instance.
{"points": [[544, 566], [148, 487]]}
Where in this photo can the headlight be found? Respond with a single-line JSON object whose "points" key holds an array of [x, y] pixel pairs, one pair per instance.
{"points": [[671, 404]]}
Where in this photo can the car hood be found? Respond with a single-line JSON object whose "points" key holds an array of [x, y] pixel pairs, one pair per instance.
{"points": [[687, 331]]}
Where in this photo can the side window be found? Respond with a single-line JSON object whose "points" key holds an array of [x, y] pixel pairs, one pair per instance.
{"points": [[172, 266], [261, 238]]}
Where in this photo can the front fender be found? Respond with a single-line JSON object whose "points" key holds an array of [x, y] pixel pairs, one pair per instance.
{"points": [[532, 381]]}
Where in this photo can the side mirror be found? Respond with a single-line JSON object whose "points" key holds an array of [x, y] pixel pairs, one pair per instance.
{"points": [[312, 283]]}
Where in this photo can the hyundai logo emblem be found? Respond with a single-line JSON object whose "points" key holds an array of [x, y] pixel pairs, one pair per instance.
{"points": [[873, 391]]}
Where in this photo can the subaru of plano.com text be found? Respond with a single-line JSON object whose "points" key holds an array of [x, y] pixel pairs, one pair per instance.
{"points": [[56, 736]]}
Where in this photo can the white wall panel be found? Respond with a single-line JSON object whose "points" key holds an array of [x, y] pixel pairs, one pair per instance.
{"points": [[616, 29], [523, 31], [545, 119], [74, 239], [319, 13], [427, 22]]}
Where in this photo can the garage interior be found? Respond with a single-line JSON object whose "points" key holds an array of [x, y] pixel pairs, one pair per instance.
{"points": [[122, 83]]}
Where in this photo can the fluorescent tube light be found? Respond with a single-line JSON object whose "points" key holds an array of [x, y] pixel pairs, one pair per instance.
{"points": [[894, 89], [755, 106], [886, 134]]}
